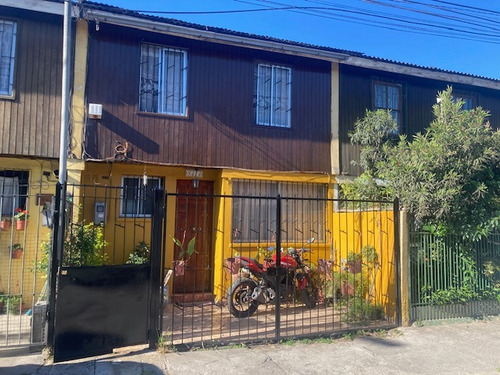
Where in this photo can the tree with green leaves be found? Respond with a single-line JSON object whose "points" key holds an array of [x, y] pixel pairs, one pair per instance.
{"points": [[448, 177]]}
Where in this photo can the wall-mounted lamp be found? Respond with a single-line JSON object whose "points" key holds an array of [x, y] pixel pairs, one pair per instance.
{"points": [[196, 183]]}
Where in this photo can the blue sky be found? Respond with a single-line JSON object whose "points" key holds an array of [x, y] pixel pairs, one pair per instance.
{"points": [[350, 25]]}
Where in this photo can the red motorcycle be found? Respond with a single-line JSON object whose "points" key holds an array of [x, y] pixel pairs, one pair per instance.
{"points": [[259, 286]]}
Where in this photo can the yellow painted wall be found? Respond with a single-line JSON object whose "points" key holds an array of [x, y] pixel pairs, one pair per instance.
{"points": [[122, 233], [17, 276]]}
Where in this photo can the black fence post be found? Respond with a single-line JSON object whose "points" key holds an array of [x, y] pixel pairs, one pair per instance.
{"points": [[156, 267], [278, 269], [53, 269], [397, 260]]}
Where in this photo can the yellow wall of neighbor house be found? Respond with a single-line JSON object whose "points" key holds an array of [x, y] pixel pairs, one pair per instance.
{"points": [[18, 276]]}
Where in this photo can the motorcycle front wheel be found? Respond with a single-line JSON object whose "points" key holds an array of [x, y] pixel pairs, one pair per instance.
{"points": [[239, 298], [309, 295]]}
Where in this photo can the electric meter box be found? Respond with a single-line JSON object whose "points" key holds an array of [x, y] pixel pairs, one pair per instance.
{"points": [[100, 213]]}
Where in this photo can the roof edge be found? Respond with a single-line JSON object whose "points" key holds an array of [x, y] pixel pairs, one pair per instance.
{"points": [[421, 72], [209, 36]]}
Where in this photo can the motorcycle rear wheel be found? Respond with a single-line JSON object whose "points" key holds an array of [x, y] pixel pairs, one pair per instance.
{"points": [[239, 298]]}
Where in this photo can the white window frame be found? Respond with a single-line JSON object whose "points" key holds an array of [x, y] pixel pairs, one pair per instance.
{"points": [[273, 120], [398, 111], [9, 195], [8, 60], [162, 106], [141, 189]]}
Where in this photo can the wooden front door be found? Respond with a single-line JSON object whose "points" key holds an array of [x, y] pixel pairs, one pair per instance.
{"points": [[193, 219]]}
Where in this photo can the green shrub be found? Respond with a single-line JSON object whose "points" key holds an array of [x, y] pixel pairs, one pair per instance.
{"points": [[140, 255], [360, 311]]}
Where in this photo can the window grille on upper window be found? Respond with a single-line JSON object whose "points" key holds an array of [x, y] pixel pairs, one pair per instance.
{"points": [[8, 33], [388, 96], [137, 198], [13, 191], [163, 83], [302, 211], [273, 98]]}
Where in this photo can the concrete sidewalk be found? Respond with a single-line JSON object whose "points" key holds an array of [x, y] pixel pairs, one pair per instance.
{"points": [[471, 347]]}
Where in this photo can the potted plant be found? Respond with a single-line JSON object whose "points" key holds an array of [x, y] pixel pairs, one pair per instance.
{"points": [[185, 254], [21, 217], [5, 223], [233, 265], [140, 255], [354, 261], [14, 305], [16, 251]]}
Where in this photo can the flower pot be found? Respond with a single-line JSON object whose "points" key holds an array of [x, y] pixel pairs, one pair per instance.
{"points": [[354, 266], [5, 224], [21, 224], [347, 289], [179, 267], [233, 265], [16, 254]]}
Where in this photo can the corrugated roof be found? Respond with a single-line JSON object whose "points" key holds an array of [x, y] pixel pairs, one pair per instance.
{"points": [[219, 30]]}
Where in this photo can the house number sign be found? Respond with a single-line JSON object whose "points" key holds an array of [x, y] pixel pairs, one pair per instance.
{"points": [[195, 173]]}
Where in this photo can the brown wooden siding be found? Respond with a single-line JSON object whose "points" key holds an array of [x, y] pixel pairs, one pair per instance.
{"points": [[30, 122], [220, 129], [419, 95]]}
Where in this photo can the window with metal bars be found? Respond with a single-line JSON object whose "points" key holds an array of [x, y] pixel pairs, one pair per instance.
{"points": [[137, 195], [163, 83], [8, 33], [13, 191], [388, 96], [273, 96]]}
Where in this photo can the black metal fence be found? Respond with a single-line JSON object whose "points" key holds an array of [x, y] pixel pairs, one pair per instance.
{"points": [[348, 248], [194, 246]]}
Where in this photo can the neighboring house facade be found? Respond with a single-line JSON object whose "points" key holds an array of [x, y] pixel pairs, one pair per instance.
{"points": [[409, 92], [30, 108]]}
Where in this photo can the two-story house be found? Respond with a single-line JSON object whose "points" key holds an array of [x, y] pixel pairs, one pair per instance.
{"points": [[30, 119], [159, 102]]}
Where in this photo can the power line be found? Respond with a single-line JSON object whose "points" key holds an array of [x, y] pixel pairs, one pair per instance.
{"points": [[396, 22], [445, 19]]}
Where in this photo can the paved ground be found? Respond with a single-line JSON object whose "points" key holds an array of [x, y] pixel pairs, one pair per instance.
{"points": [[471, 347]]}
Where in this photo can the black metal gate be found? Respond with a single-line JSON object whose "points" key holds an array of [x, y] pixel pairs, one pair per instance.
{"points": [[104, 299], [99, 309]]}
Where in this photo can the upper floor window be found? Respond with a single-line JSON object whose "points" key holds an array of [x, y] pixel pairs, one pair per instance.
{"points": [[163, 83], [273, 97], [8, 32], [467, 99], [137, 195], [388, 96]]}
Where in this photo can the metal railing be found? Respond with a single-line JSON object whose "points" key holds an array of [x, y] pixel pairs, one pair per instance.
{"points": [[452, 277]]}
